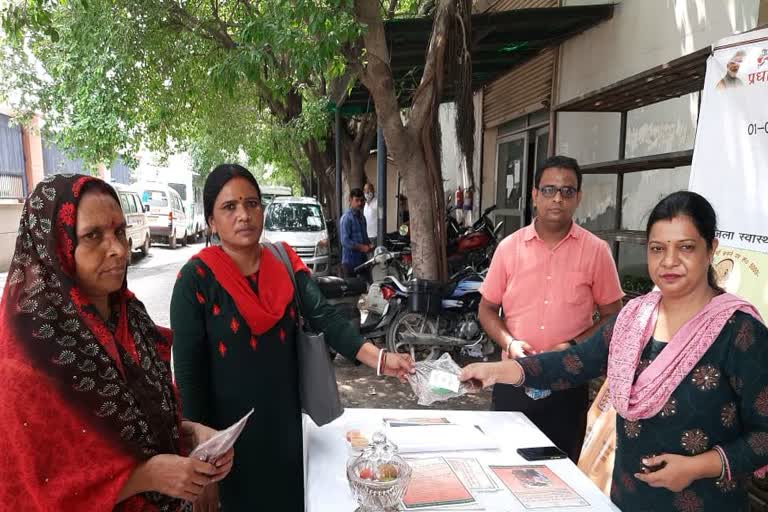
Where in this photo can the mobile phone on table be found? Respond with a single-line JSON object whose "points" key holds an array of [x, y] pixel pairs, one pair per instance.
{"points": [[542, 453]]}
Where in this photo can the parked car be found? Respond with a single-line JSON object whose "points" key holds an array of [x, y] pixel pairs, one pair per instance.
{"points": [[270, 192], [299, 222], [137, 227], [167, 217]]}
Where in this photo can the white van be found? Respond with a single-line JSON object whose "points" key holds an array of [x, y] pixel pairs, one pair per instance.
{"points": [[299, 222], [192, 199], [270, 192], [137, 227], [167, 217]]}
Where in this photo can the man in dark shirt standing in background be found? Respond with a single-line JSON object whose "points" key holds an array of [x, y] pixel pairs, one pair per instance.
{"points": [[353, 233]]}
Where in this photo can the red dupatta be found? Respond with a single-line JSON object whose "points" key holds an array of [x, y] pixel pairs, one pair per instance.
{"points": [[275, 291]]}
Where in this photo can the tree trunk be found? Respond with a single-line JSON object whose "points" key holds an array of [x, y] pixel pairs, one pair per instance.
{"points": [[357, 138], [305, 181], [356, 169], [423, 221], [413, 147], [320, 161]]}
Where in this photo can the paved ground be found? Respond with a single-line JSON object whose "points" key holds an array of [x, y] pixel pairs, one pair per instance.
{"points": [[152, 278]]}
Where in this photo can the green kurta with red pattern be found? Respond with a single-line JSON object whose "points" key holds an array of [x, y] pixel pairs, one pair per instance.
{"points": [[223, 371], [723, 401]]}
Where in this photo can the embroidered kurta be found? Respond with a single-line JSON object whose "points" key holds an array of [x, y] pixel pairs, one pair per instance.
{"points": [[723, 401], [223, 370]]}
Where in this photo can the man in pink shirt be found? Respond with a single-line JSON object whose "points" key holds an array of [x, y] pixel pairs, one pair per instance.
{"points": [[548, 278]]}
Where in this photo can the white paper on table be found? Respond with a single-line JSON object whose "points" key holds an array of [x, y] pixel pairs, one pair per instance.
{"points": [[220, 443], [472, 473], [440, 438]]}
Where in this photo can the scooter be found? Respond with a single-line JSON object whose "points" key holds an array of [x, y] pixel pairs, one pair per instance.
{"points": [[388, 273], [350, 295]]}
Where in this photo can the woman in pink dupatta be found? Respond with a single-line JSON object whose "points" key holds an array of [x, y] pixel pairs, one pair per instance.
{"points": [[686, 374]]}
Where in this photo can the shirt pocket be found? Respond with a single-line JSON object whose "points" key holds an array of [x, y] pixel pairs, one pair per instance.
{"points": [[579, 288]]}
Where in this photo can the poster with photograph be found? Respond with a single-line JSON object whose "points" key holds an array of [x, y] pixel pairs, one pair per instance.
{"points": [[538, 487]]}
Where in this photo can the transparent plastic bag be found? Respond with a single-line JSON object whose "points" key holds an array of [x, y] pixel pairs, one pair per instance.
{"points": [[438, 380]]}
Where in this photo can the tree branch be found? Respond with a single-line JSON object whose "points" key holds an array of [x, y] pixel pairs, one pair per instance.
{"points": [[248, 6], [392, 9], [431, 87], [193, 24], [376, 73]]}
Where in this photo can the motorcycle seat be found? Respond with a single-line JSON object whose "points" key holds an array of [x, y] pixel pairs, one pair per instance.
{"points": [[337, 287]]}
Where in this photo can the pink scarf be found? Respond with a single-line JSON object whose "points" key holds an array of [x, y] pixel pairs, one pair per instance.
{"points": [[655, 384]]}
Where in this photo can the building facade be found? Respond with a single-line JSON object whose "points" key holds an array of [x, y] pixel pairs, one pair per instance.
{"points": [[521, 124]]}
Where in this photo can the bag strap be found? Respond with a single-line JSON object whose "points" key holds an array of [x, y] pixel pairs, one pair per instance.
{"points": [[278, 251]]}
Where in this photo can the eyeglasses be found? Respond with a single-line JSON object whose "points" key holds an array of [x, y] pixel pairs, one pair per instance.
{"points": [[550, 191]]}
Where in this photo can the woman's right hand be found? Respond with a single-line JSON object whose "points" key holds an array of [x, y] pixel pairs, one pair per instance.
{"points": [[484, 373], [178, 477], [488, 374]]}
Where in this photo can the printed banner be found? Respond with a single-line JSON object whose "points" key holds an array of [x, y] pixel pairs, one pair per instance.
{"points": [[730, 161]]}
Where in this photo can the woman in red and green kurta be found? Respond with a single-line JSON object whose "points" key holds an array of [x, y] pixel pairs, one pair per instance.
{"points": [[234, 325]]}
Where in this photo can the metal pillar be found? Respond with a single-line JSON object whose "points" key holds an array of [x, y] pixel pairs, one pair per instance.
{"points": [[620, 182], [398, 218], [339, 198], [381, 185]]}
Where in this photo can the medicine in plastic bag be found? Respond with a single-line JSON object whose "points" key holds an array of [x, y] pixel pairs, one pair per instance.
{"points": [[438, 380]]}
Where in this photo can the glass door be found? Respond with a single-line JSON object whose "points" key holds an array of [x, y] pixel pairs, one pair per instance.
{"points": [[538, 150], [512, 181]]}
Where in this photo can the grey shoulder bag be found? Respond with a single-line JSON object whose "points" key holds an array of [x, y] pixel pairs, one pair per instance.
{"points": [[318, 392]]}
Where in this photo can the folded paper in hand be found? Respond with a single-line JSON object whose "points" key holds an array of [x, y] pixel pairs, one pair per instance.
{"points": [[220, 443]]}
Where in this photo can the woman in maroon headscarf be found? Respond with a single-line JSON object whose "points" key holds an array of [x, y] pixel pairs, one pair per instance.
{"points": [[89, 416]]}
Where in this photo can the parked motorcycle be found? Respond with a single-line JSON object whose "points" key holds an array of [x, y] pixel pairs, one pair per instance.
{"points": [[466, 247], [433, 318], [475, 247], [350, 295]]}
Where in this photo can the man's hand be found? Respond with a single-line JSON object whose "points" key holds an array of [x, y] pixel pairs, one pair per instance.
{"points": [[517, 349]]}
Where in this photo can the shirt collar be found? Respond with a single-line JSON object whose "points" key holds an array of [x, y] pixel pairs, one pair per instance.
{"points": [[531, 233]]}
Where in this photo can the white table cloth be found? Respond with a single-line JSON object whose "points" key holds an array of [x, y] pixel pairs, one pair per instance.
{"points": [[326, 455]]}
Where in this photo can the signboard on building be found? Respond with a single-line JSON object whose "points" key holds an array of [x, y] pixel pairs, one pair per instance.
{"points": [[730, 161]]}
